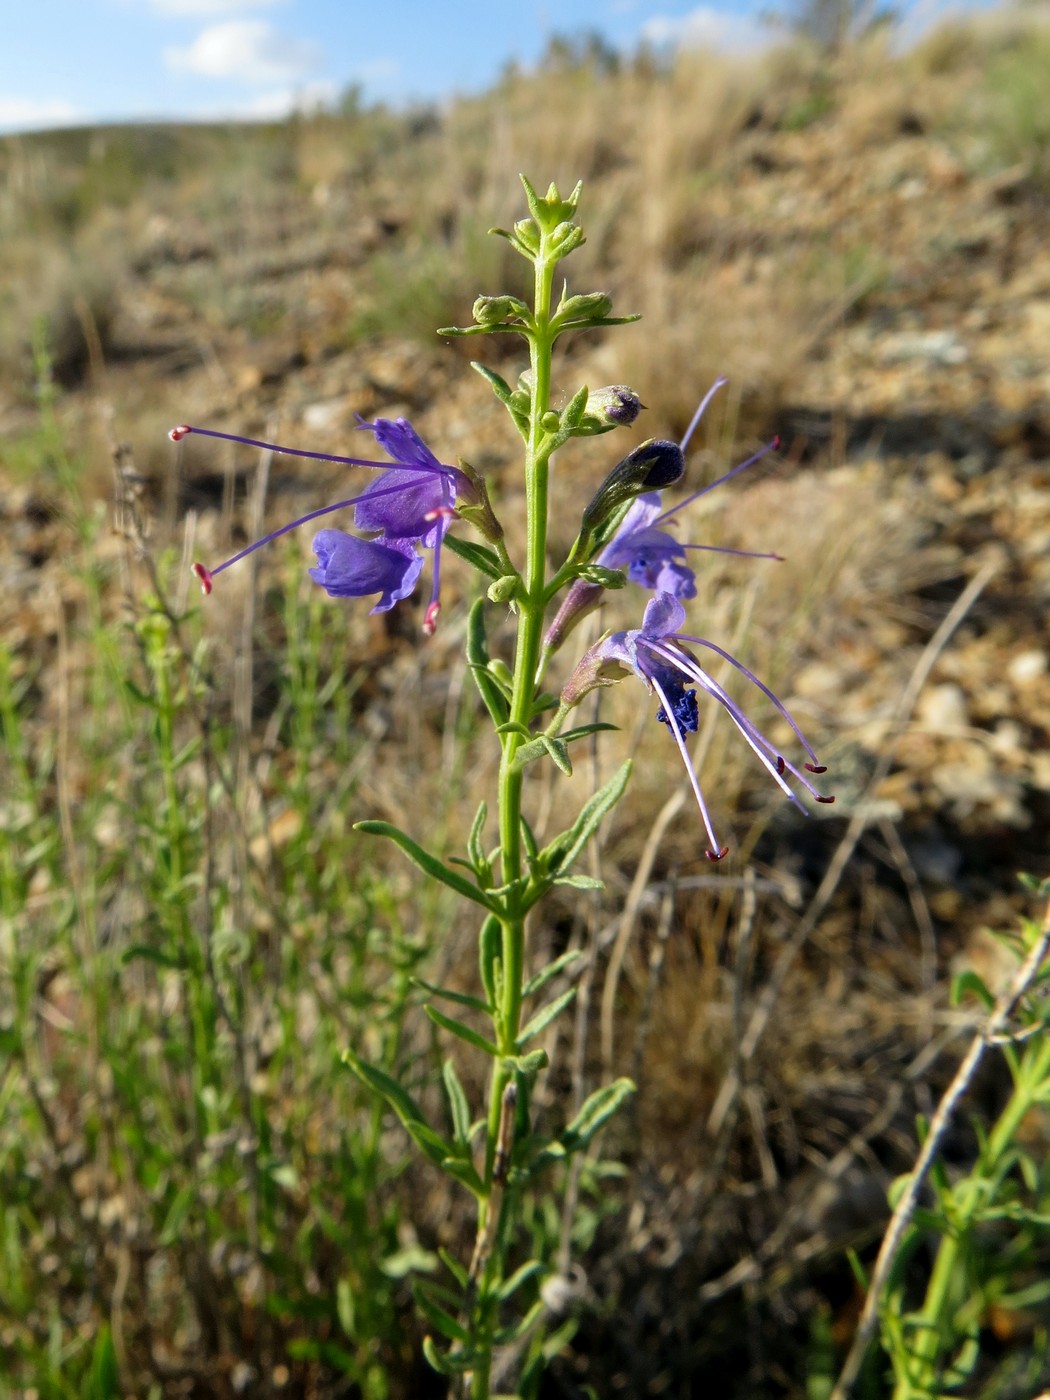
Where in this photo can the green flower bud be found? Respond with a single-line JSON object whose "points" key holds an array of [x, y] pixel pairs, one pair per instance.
{"points": [[492, 311], [505, 589], [615, 404], [585, 306]]}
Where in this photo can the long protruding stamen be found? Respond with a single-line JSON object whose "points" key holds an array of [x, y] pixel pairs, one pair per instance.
{"points": [[178, 433], [780, 706], [766, 752], [701, 410], [206, 575], [741, 553], [771, 446], [716, 852]]}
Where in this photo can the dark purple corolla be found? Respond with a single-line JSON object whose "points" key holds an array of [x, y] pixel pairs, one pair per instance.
{"points": [[656, 654], [410, 505]]}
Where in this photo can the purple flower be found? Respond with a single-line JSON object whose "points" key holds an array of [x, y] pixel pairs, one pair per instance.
{"points": [[411, 504], [655, 653], [650, 556], [351, 568]]}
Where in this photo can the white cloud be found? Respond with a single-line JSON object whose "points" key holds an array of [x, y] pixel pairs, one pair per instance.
{"points": [[32, 113], [707, 28], [280, 103], [209, 9], [250, 50]]}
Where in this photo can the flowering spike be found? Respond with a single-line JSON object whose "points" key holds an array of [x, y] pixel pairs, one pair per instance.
{"points": [[203, 578]]}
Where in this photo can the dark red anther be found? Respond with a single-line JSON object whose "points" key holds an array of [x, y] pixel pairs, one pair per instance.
{"points": [[430, 618], [815, 767], [827, 800], [177, 434], [781, 766], [775, 444], [717, 855], [203, 577]]}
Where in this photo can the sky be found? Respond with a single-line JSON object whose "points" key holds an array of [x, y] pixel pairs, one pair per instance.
{"points": [[73, 62]]}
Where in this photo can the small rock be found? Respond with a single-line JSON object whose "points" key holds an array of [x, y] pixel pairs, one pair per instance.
{"points": [[1026, 666], [943, 707]]}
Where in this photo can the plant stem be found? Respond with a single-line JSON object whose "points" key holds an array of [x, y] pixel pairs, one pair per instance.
{"points": [[531, 608]]}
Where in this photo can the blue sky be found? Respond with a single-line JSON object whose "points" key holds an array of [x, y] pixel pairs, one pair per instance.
{"points": [[66, 62]]}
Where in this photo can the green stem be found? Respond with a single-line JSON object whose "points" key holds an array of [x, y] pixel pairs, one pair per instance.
{"points": [[531, 608]]}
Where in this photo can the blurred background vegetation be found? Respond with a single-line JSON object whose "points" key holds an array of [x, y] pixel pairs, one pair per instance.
{"points": [[195, 1199]]}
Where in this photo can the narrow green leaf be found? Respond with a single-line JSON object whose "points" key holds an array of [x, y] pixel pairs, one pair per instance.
{"points": [[969, 981], [507, 1336], [573, 410], [430, 1143], [478, 660], [581, 731], [598, 1108], [472, 1037], [176, 1216], [511, 1285], [154, 955], [529, 1064], [486, 561], [581, 882], [464, 1171], [399, 1099], [438, 1318], [454, 1267], [457, 1102], [460, 998], [543, 744], [545, 1016], [537, 983], [490, 950], [444, 1363], [499, 385], [436, 869], [564, 849], [475, 850]]}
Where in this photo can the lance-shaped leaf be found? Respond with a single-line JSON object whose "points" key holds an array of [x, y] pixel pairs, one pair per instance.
{"points": [[490, 953], [472, 1037], [436, 869], [475, 850], [457, 1102], [537, 983], [545, 1016], [437, 1316], [478, 660], [597, 1109], [404, 1105], [460, 998], [511, 1285], [536, 748], [448, 1363], [559, 855], [486, 561]]}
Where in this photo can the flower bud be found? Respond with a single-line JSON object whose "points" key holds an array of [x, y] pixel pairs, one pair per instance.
{"points": [[650, 467], [585, 306], [492, 311], [616, 403]]}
